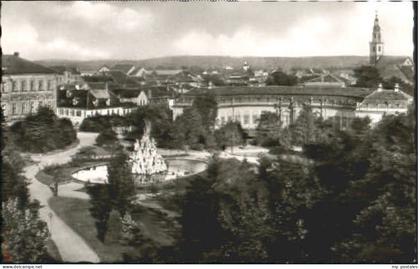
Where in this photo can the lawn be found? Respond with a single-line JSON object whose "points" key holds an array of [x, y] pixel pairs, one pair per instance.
{"points": [[60, 173], [75, 212]]}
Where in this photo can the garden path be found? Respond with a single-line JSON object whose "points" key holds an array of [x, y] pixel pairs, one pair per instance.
{"points": [[71, 246]]}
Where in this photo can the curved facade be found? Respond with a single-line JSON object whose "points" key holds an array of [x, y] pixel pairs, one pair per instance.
{"points": [[246, 104]]}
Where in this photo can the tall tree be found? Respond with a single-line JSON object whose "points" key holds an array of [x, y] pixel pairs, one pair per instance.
{"points": [[24, 235], [269, 129], [120, 182], [101, 206], [206, 105], [231, 134], [367, 76]]}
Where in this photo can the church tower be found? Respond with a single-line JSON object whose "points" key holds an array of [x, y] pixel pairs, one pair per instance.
{"points": [[376, 45]]}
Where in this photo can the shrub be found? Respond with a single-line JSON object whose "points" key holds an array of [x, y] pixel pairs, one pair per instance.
{"points": [[43, 132], [106, 137]]}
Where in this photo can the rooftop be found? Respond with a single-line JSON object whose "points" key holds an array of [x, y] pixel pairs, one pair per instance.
{"points": [[387, 95], [122, 67], [14, 65], [283, 90]]}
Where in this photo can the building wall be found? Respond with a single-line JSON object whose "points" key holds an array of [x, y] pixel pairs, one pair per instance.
{"points": [[376, 114], [23, 94], [77, 115], [248, 109]]}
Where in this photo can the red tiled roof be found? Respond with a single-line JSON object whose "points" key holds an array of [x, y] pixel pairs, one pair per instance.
{"points": [[14, 65]]}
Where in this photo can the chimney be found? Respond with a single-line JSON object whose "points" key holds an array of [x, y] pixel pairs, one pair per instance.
{"points": [[397, 87], [379, 87], [16, 54]]}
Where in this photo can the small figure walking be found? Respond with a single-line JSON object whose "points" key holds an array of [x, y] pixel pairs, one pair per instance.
{"points": [[50, 215]]}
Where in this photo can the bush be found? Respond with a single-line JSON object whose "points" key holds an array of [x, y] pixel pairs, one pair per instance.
{"points": [[43, 132], [106, 137], [95, 124]]}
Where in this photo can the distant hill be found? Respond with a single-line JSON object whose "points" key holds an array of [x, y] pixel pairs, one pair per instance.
{"points": [[267, 63]]}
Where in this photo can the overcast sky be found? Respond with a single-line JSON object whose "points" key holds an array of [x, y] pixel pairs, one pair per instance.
{"points": [[139, 30]]}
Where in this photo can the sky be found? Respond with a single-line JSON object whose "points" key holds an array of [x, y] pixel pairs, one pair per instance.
{"points": [[82, 30]]}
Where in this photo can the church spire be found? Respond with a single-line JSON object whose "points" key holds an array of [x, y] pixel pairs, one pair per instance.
{"points": [[376, 46]]}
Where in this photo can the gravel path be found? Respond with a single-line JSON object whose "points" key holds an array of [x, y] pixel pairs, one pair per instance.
{"points": [[71, 246]]}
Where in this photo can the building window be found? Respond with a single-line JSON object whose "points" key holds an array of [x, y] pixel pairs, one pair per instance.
{"points": [[40, 85], [237, 118], [246, 119], [32, 107], [14, 110], [23, 85], [24, 108], [78, 113], [31, 85], [379, 49], [255, 119], [222, 120], [49, 84], [4, 108], [40, 103], [14, 86]]}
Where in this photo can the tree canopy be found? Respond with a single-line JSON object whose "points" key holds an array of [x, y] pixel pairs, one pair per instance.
{"points": [[43, 132]]}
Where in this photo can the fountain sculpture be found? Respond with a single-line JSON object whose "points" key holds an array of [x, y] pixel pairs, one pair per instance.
{"points": [[147, 165], [145, 159]]}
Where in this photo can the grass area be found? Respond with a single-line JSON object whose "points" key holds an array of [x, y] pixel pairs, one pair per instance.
{"points": [[75, 212], [60, 173], [54, 174]]}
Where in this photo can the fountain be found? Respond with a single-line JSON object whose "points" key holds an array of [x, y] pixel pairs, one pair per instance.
{"points": [[145, 159], [147, 165]]}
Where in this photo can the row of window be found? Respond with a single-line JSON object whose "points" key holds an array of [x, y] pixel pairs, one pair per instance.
{"points": [[384, 105], [30, 85], [78, 113], [25, 107], [246, 119]]}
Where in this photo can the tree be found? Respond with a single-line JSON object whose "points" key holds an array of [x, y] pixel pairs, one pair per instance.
{"points": [[385, 223], [206, 105], [161, 118], [42, 132], [231, 134], [367, 76], [101, 206], [106, 137], [120, 182], [304, 129], [24, 234], [189, 130], [269, 130], [405, 87], [280, 78]]}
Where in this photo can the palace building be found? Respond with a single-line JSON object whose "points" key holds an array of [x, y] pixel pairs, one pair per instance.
{"points": [[25, 86], [246, 104]]}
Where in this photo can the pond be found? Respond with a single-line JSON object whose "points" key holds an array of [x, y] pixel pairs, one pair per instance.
{"points": [[177, 168]]}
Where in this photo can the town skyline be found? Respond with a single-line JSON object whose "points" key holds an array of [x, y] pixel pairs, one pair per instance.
{"points": [[83, 30]]}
